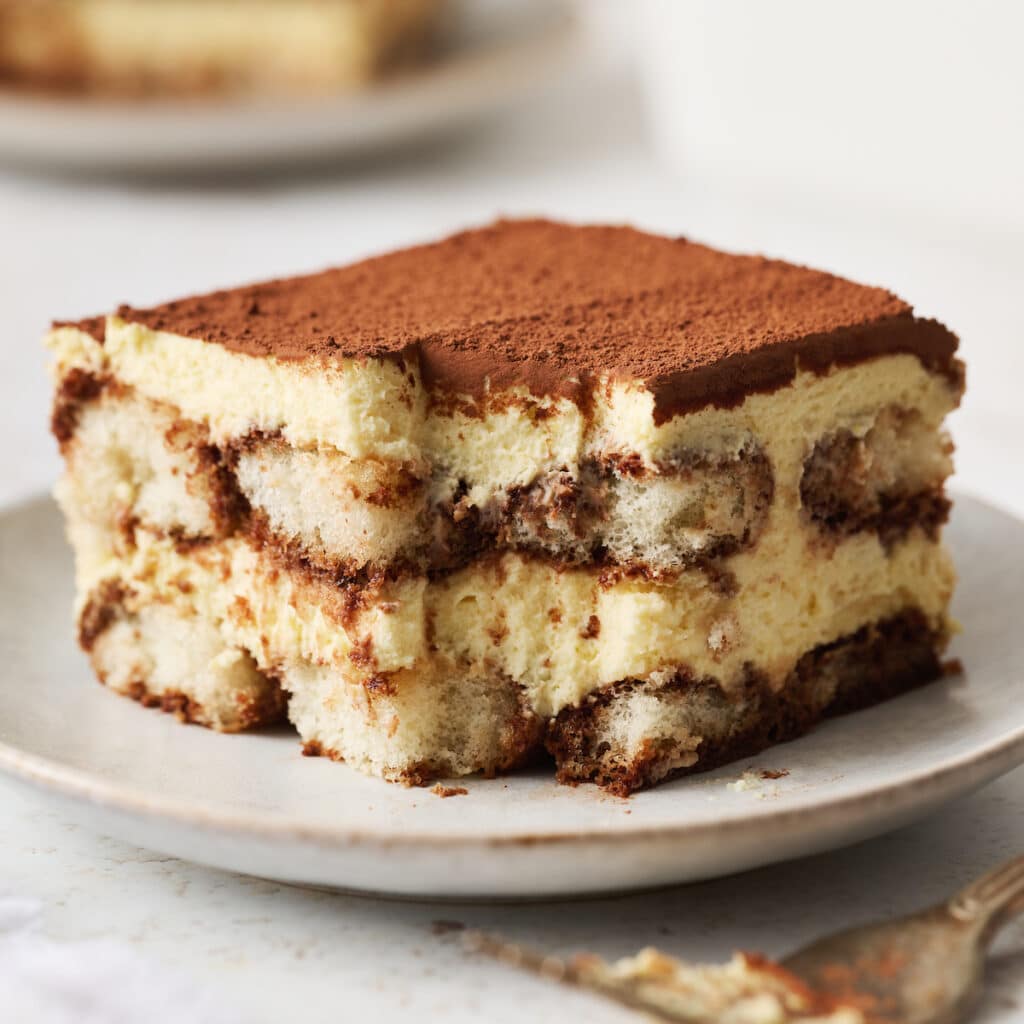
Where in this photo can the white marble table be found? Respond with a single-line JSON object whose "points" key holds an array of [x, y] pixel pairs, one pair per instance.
{"points": [[94, 930]]}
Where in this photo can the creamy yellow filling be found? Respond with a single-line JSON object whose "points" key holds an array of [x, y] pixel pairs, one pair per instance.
{"points": [[793, 603], [534, 623], [371, 407], [358, 411]]}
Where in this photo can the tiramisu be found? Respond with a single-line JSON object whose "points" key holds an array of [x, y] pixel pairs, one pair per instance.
{"points": [[643, 504], [179, 47]]}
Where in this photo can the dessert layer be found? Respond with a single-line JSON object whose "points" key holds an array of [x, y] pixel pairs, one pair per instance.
{"points": [[880, 480], [375, 411], [465, 723], [204, 45], [168, 657], [135, 461], [636, 734], [450, 717], [558, 311], [559, 634]]}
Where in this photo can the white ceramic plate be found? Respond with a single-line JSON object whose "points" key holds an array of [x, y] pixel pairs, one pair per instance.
{"points": [[252, 803], [490, 54]]}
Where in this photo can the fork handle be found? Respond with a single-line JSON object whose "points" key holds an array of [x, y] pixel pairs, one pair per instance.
{"points": [[993, 899]]}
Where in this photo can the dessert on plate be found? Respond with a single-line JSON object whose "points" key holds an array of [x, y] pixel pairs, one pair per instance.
{"points": [[641, 504], [184, 47]]}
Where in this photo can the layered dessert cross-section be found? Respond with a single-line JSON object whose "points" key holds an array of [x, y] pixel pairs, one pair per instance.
{"points": [[535, 490]]}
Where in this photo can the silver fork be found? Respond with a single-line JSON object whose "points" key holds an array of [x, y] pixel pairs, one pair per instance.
{"points": [[926, 968]]}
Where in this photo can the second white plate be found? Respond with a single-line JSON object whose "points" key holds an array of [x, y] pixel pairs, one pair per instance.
{"points": [[252, 803], [489, 55]]}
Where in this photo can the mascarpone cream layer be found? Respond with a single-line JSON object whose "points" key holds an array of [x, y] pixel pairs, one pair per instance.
{"points": [[561, 634], [377, 408]]}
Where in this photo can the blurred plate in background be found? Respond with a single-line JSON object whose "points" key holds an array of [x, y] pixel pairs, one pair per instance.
{"points": [[489, 55]]}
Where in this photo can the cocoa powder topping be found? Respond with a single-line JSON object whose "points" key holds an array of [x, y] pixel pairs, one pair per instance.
{"points": [[556, 307]]}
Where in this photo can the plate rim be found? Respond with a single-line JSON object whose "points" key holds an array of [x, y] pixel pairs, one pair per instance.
{"points": [[977, 766]]}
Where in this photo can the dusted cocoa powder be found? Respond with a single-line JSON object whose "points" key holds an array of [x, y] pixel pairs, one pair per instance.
{"points": [[555, 307]]}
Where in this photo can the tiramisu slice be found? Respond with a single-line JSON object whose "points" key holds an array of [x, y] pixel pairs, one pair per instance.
{"points": [[179, 47], [641, 503]]}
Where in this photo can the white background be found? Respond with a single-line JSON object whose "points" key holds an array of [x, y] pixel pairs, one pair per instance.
{"points": [[89, 918]]}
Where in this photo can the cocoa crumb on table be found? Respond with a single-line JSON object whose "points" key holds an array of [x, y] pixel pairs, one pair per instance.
{"points": [[446, 791]]}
